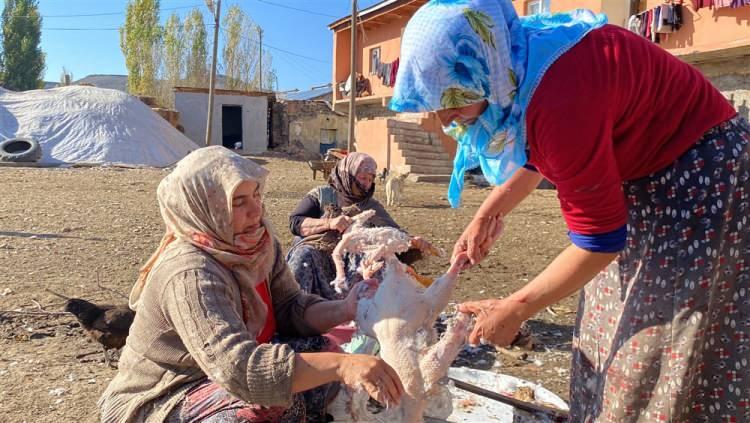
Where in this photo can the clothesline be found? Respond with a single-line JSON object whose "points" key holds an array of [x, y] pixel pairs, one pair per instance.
{"points": [[657, 22], [386, 72], [718, 4]]}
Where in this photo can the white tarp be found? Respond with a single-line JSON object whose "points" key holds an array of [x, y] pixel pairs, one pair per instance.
{"points": [[80, 124], [466, 407]]}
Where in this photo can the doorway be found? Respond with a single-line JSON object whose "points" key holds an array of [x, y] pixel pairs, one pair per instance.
{"points": [[231, 127], [327, 140]]}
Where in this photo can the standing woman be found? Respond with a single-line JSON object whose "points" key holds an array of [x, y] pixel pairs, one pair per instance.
{"points": [[652, 169]]}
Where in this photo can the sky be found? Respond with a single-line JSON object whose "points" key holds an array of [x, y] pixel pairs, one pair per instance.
{"points": [[87, 45]]}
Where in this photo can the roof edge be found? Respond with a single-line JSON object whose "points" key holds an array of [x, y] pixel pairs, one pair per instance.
{"points": [[384, 7]]}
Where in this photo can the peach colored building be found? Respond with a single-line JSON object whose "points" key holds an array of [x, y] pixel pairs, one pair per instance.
{"points": [[715, 40], [378, 40], [412, 142], [617, 11]]}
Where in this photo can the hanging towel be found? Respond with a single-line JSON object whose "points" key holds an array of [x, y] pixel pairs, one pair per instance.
{"points": [[394, 71], [663, 25], [677, 16], [634, 24]]}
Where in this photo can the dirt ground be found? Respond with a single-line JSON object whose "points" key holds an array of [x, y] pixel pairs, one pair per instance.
{"points": [[67, 229]]}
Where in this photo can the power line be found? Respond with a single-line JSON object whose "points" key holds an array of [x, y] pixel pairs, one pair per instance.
{"points": [[297, 66], [85, 15], [208, 25], [224, 31], [311, 12], [297, 54], [81, 29]]}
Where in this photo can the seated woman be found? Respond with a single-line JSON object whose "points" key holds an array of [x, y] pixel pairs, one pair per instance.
{"points": [[210, 300], [352, 183]]}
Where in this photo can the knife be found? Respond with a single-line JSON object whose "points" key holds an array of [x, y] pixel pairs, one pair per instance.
{"points": [[555, 414]]}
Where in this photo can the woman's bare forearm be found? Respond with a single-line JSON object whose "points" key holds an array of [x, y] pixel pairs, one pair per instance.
{"points": [[312, 226], [504, 198], [325, 315], [568, 273], [315, 369]]}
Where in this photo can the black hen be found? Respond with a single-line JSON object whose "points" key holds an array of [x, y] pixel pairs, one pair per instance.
{"points": [[106, 324]]}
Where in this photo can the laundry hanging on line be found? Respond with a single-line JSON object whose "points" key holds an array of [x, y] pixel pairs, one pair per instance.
{"points": [[655, 23], [718, 4], [386, 72]]}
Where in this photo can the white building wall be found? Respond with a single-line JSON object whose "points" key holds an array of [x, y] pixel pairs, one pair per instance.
{"points": [[193, 107]]}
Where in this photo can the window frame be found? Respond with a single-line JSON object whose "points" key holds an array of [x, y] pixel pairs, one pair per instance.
{"points": [[542, 5], [372, 56]]}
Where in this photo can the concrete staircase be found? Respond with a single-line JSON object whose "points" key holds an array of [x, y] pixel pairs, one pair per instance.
{"points": [[422, 151]]}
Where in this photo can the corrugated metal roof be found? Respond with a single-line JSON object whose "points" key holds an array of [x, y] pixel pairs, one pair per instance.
{"points": [[318, 93]]}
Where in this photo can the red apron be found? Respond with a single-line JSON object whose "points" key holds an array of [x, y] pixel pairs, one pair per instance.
{"points": [[269, 327]]}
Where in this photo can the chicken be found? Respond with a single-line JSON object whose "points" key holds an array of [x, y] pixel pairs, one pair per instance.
{"points": [[106, 324], [400, 316], [375, 243], [327, 241]]}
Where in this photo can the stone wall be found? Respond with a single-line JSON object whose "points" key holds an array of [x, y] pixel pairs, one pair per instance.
{"points": [[279, 125], [301, 122], [732, 77], [372, 111]]}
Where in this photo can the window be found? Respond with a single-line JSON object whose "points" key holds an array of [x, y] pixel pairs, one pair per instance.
{"points": [[374, 60], [535, 7]]}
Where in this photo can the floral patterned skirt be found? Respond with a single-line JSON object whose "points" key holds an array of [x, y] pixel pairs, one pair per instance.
{"points": [[210, 403], [663, 334], [314, 270]]}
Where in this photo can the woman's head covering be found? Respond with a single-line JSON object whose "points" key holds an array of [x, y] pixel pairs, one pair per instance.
{"points": [[343, 178], [456, 53], [196, 204]]}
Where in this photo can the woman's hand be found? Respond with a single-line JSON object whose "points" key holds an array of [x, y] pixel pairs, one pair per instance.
{"points": [[339, 223], [363, 289], [373, 374], [478, 238], [497, 321]]}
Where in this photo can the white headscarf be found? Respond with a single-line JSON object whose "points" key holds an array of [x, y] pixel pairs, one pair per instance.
{"points": [[196, 204]]}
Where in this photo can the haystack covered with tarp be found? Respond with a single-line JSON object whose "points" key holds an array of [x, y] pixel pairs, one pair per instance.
{"points": [[88, 125]]}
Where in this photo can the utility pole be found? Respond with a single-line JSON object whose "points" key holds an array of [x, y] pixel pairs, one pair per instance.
{"points": [[353, 79], [212, 80], [260, 58]]}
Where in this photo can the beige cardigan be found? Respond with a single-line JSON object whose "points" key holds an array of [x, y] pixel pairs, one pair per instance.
{"points": [[189, 326]]}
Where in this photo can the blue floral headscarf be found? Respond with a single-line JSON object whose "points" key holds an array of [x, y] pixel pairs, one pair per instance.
{"points": [[455, 53]]}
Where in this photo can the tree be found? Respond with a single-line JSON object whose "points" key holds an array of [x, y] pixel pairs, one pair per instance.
{"points": [[240, 51], [270, 79], [22, 57], [172, 61], [139, 42], [173, 54], [196, 53]]}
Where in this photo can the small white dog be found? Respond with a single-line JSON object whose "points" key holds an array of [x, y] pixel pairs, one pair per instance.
{"points": [[394, 188]]}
